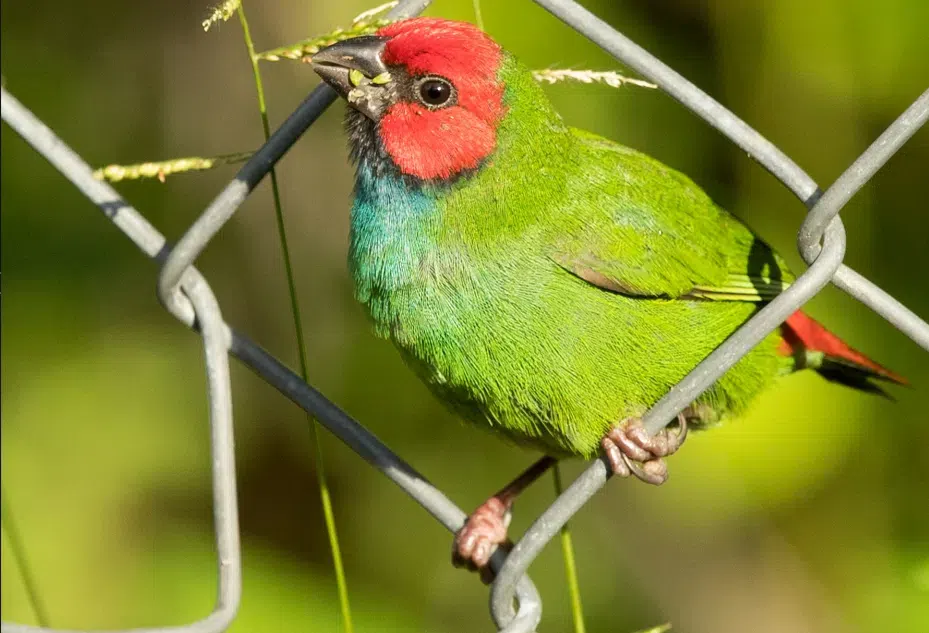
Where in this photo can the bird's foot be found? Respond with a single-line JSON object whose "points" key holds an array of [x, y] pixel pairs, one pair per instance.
{"points": [[485, 530], [631, 451], [482, 534]]}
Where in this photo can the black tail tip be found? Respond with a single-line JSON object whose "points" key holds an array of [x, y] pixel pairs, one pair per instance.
{"points": [[857, 377]]}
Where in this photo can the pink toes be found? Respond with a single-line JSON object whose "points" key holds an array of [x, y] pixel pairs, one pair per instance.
{"points": [[482, 533], [631, 451]]}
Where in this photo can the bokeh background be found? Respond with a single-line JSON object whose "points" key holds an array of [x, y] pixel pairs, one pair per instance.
{"points": [[809, 515]]}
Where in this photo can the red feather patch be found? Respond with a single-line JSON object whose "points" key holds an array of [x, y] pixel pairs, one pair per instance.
{"points": [[801, 332], [420, 141], [441, 143]]}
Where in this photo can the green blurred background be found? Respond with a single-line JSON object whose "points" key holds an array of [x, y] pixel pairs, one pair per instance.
{"points": [[809, 515]]}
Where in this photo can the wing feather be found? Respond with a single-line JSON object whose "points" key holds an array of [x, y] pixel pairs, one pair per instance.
{"points": [[641, 229]]}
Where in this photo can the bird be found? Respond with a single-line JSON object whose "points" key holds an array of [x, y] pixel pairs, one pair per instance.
{"points": [[544, 282]]}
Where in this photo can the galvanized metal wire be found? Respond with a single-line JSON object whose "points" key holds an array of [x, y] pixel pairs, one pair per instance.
{"points": [[185, 293]]}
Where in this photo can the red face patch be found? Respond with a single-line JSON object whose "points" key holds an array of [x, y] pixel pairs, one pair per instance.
{"points": [[439, 143]]}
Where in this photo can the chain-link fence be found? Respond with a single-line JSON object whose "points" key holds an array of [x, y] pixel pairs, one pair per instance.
{"points": [[515, 603]]}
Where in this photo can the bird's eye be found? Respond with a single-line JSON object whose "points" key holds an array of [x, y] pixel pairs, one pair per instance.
{"points": [[435, 92]]}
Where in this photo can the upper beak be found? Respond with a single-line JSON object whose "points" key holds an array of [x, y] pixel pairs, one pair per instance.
{"points": [[355, 70]]}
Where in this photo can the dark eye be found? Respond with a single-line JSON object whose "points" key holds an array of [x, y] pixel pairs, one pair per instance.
{"points": [[435, 92]]}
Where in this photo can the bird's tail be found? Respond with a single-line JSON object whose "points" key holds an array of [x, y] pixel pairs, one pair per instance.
{"points": [[815, 347]]}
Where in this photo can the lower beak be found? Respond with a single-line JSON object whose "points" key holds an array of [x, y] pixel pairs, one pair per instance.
{"points": [[355, 70]]}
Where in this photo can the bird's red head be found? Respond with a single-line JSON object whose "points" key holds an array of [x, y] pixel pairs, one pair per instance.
{"points": [[438, 107]]}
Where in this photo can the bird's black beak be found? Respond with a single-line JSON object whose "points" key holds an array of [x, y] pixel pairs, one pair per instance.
{"points": [[355, 70]]}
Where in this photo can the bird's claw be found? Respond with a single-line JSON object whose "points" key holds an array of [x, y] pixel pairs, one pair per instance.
{"points": [[630, 450], [483, 532]]}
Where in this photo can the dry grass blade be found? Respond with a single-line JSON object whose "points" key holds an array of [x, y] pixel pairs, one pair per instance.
{"points": [[364, 16], [162, 169], [221, 13], [607, 77]]}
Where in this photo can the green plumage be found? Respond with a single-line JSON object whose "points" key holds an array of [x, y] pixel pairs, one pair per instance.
{"points": [[565, 285]]}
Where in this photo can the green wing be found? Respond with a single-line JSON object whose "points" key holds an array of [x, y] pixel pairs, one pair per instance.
{"points": [[634, 226]]}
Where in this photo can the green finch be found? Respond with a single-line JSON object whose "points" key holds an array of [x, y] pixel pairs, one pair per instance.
{"points": [[544, 282]]}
